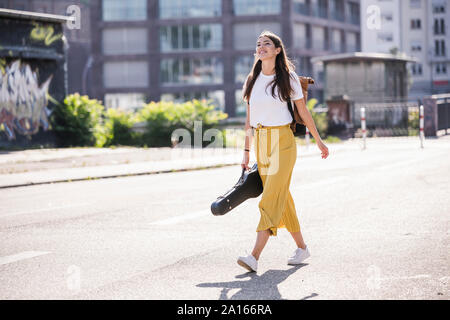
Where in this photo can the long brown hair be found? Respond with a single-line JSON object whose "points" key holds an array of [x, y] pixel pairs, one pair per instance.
{"points": [[283, 67]]}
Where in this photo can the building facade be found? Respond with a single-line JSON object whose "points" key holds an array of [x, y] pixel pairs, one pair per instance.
{"points": [[78, 38], [151, 50], [418, 28]]}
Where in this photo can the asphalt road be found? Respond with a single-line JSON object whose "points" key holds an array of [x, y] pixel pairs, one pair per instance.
{"points": [[376, 223]]}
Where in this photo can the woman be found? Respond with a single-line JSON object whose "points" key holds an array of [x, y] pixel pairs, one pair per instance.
{"points": [[268, 118]]}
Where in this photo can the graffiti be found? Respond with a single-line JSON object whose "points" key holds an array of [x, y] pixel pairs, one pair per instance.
{"points": [[23, 103], [44, 33]]}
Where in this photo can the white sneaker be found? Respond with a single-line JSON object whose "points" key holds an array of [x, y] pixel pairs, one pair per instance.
{"points": [[249, 262], [299, 256]]}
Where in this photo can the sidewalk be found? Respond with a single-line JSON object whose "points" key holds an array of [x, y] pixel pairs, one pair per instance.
{"points": [[31, 167]]}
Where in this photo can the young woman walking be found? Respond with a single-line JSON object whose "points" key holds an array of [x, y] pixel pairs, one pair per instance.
{"points": [[269, 85]]}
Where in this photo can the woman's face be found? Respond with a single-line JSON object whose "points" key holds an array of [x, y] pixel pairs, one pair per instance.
{"points": [[265, 49]]}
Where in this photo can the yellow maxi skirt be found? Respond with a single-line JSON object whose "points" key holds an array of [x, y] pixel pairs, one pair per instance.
{"points": [[276, 153]]}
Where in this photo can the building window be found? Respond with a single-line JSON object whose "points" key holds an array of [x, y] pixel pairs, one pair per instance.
{"points": [[353, 13], [337, 10], [439, 48], [190, 37], [124, 41], [256, 7], [319, 8], [217, 97], [124, 101], [416, 69], [242, 67], [415, 4], [125, 74], [383, 37], [318, 38], [416, 47], [438, 8], [241, 105], [301, 7], [119, 10], [441, 68], [300, 36], [351, 42], [191, 71], [245, 35], [189, 8], [416, 24], [439, 26]]}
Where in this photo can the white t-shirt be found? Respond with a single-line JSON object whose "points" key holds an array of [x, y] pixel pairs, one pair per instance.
{"points": [[265, 109]]}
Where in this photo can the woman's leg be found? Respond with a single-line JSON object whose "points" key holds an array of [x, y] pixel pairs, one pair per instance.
{"points": [[298, 238], [261, 240]]}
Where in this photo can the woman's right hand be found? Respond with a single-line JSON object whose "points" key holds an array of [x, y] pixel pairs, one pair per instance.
{"points": [[245, 160]]}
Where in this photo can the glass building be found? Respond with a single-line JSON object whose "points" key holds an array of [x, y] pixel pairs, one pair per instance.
{"points": [[151, 50]]}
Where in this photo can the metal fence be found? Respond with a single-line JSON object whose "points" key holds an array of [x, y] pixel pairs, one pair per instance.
{"points": [[386, 119]]}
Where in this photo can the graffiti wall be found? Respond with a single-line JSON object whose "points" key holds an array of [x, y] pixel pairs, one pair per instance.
{"points": [[32, 79], [23, 102]]}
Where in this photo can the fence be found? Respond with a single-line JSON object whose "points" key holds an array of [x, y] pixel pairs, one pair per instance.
{"points": [[386, 119]]}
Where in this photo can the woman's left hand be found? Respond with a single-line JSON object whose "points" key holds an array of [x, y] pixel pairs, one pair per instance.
{"points": [[323, 148]]}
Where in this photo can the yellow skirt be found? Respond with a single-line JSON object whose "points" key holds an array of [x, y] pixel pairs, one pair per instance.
{"points": [[276, 153]]}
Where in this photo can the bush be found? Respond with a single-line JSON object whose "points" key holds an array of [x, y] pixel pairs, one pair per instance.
{"points": [[164, 117], [320, 118], [78, 122], [118, 128]]}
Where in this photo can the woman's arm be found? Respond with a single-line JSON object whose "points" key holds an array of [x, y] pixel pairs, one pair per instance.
{"points": [[248, 130], [309, 122]]}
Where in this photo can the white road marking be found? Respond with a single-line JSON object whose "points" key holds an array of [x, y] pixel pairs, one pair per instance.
{"points": [[178, 219], [44, 209], [21, 256]]}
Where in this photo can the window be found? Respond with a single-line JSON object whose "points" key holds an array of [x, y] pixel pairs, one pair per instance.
{"points": [[242, 67], [416, 69], [416, 46], [301, 7], [383, 37], [415, 4], [189, 8], [217, 97], [441, 68], [318, 38], [439, 8], [245, 35], [319, 8], [439, 26], [300, 36], [416, 24], [131, 10], [124, 101], [124, 41], [190, 37], [439, 48], [256, 7], [125, 74], [336, 41], [191, 71], [351, 41], [241, 106], [353, 13], [337, 10]]}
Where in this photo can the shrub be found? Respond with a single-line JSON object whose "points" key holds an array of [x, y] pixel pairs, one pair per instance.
{"points": [[118, 128], [78, 122], [320, 118], [164, 117]]}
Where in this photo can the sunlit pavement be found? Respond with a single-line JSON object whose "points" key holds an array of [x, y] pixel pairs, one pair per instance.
{"points": [[376, 222]]}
